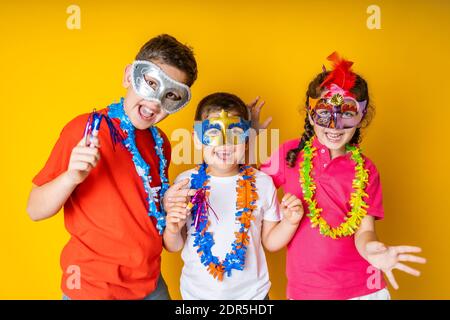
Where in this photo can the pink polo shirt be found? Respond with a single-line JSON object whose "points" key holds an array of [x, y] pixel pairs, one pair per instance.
{"points": [[319, 267]]}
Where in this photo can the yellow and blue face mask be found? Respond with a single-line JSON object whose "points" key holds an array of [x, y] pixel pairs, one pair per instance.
{"points": [[222, 130]]}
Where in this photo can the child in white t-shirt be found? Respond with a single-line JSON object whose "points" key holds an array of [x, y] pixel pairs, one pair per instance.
{"points": [[233, 213]]}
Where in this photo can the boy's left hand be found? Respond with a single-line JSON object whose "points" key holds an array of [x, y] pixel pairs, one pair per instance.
{"points": [[255, 109], [387, 258], [292, 208]]}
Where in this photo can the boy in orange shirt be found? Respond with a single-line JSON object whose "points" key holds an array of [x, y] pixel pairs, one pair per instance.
{"points": [[111, 193]]}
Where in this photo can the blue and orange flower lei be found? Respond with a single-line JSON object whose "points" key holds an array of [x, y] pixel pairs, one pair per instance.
{"points": [[245, 206], [116, 111]]}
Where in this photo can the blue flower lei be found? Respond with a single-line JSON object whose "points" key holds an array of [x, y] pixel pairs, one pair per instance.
{"points": [[142, 168], [204, 240]]}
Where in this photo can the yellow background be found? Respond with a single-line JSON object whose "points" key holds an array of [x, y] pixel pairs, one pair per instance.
{"points": [[49, 74]]}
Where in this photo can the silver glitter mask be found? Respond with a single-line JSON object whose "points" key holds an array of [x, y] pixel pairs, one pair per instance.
{"points": [[152, 84]]}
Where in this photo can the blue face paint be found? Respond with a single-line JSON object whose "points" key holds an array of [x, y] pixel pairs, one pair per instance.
{"points": [[223, 130]]}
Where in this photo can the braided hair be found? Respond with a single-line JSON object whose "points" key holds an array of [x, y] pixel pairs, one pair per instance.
{"points": [[361, 92]]}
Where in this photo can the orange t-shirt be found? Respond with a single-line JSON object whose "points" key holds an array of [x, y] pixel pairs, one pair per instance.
{"points": [[113, 241]]}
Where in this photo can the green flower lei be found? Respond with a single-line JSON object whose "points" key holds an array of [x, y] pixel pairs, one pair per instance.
{"points": [[357, 203]]}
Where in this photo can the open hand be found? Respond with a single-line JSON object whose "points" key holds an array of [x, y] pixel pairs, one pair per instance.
{"points": [[255, 109], [388, 258]]}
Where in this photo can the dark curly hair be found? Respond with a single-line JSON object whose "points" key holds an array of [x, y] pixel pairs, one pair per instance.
{"points": [[169, 50], [361, 92]]}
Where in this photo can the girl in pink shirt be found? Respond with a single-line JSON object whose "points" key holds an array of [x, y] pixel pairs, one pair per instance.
{"points": [[335, 253]]}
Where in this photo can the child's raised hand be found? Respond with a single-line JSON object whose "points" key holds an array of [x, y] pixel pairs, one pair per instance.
{"points": [[255, 109], [84, 158], [292, 208], [387, 258]]}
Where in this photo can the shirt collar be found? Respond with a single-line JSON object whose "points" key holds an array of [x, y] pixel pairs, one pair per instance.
{"points": [[323, 152]]}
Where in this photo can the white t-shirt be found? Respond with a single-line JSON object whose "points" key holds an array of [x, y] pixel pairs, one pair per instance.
{"points": [[251, 283]]}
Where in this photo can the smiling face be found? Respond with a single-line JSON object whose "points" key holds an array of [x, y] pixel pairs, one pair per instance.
{"points": [[333, 139], [223, 158], [144, 113]]}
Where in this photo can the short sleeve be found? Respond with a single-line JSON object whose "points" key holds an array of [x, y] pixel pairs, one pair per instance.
{"points": [[275, 167], [271, 206], [58, 160], [373, 189]]}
